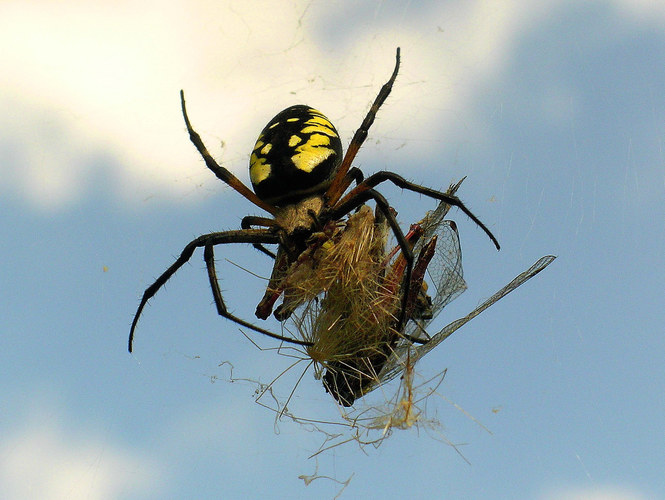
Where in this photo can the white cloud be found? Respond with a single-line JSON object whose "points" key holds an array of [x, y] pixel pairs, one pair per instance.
{"points": [[43, 461], [99, 81], [595, 493]]}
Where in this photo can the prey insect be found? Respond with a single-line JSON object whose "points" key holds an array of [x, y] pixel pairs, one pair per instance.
{"points": [[356, 327], [301, 178], [356, 299]]}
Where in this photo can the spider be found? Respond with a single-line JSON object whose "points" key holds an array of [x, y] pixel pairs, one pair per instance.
{"points": [[299, 177]]}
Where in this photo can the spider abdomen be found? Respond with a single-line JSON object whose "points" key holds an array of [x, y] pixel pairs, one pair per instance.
{"points": [[295, 156]]}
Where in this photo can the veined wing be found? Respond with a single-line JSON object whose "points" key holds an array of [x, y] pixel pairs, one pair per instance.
{"points": [[396, 363]]}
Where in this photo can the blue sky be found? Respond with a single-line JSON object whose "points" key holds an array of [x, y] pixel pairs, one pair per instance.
{"points": [[554, 111]]}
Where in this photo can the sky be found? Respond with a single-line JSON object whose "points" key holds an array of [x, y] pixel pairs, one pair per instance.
{"points": [[555, 112]]}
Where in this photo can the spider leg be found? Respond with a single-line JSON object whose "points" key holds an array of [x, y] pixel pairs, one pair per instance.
{"points": [[273, 291], [379, 177], [221, 173], [250, 221], [209, 256], [243, 236], [341, 181], [355, 175]]}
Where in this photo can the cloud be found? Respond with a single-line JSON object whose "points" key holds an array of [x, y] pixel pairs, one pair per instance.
{"points": [[595, 493], [44, 461], [91, 90]]}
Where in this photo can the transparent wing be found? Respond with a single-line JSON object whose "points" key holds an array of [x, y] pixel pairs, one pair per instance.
{"points": [[397, 362], [445, 277], [445, 274]]}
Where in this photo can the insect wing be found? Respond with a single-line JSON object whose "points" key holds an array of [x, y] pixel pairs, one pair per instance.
{"points": [[445, 276], [445, 270], [397, 362]]}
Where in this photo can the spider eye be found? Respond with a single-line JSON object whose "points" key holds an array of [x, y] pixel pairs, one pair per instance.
{"points": [[295, 155]]}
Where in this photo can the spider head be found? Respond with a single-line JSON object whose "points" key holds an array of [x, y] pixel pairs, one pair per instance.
{"points": [[295, 156]]}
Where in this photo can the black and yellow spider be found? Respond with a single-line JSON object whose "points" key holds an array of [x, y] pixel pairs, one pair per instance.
{"points": [[300, 178]]}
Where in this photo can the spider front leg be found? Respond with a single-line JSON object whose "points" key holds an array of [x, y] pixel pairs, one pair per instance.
{"points": [[254, 236], [251, 221], [222, 173], [341, 180], [375, 179]]}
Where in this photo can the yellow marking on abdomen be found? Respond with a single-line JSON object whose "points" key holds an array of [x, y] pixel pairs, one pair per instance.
{"points": [[259, 170], [314, 152]]}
